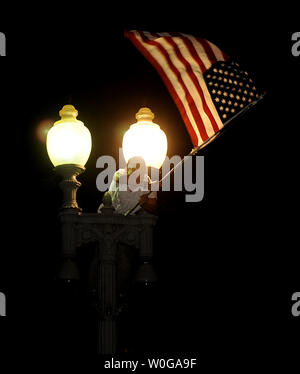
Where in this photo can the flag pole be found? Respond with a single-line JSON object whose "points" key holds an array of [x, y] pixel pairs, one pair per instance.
{"points": [[192, 153], [195, 150]]}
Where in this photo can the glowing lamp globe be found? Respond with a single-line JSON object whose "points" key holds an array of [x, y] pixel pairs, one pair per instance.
{"points": [[69, 141], [145, 139]]}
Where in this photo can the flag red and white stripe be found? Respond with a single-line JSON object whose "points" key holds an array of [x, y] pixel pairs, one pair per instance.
{"points": [[181, 60]]}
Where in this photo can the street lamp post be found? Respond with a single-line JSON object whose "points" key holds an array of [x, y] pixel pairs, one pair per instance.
{"points": [[69, 146]]}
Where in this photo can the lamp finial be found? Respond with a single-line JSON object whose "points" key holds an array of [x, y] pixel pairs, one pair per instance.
{"points": [[68, 111], [144, 114]]}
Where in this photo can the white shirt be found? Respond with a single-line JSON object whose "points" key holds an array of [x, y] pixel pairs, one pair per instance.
{"points": [[125, 196]]}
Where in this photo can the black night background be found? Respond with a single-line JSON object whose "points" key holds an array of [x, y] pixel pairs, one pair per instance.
{"points": [[227, 266]]}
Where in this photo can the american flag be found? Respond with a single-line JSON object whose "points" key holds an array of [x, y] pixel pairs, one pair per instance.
{"points": [[208, 88]]}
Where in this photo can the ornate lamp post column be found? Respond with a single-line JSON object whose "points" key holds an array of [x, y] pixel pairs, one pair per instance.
{"points": [[69, 184]]}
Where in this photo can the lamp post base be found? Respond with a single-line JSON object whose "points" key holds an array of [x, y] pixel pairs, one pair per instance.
{"points": [[70, 184]]}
